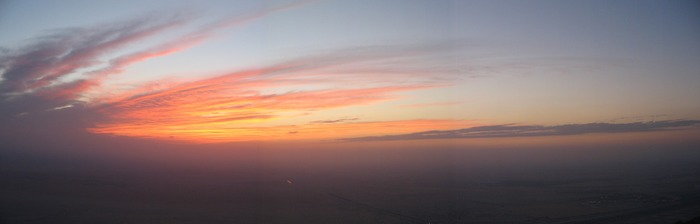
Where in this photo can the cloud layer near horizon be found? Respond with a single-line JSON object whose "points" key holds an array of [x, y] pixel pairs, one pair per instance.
{"points": [[508, 130]]}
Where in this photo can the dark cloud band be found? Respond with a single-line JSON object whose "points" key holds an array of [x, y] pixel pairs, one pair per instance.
{"points": [[509, 130]]}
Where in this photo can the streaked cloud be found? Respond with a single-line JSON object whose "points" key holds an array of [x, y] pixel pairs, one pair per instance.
{"points": [[218, 106], [330, 131], [59, 73], [436, 104], [239, 105], [229, 107], [41, 67], [505, 131], [254, 131], [119, 64], [334, 121], [65, 51]]}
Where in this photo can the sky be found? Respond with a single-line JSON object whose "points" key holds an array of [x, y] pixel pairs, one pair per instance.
{"points": [[200, 72]]}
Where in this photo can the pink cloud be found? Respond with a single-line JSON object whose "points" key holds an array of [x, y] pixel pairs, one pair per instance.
{"points": [[119, 64], [217, 104], [64, 52]]}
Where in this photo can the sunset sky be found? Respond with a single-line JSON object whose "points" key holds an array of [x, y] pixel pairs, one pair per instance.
{"points": [[319, 71]]}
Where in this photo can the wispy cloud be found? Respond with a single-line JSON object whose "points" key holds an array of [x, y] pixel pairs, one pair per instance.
{"points": [[437, 104], [41, 79], [504, 131], [219, 107], [235, 106], [217, 104], [334, 121], [255, 132], [58, 68], [119, 64], [33, 77], [65, 51], [330, 131]]}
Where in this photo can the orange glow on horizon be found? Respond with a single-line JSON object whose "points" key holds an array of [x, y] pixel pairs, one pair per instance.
{"points": [[236, 107], [202, 134]]}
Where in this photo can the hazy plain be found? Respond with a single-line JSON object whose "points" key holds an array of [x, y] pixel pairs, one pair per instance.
{"points": [[460, 181]]}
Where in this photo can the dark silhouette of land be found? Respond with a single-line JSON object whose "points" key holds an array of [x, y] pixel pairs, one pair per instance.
{"points": [[601, 184]]}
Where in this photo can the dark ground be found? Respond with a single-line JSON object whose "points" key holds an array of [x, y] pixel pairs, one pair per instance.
{"points": [[455, 185]]}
